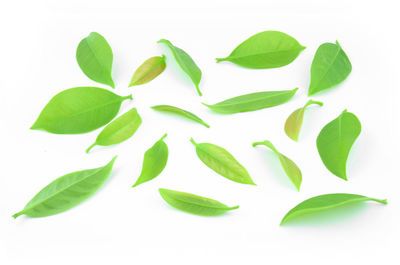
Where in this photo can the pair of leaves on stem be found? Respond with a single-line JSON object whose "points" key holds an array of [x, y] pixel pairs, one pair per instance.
{"points": [[67, 191]]}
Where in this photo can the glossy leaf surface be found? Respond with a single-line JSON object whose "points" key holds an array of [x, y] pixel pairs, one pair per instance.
{"points": [[67, 191], [335, 140], [330, 67], [222, 162], [295, 120], [194, 204], [119, 130], [290, 168], [253, 101], [79, 110], [154, 161], [186, 63], [325, 202], [95, 58], [267, 49], [149, 70], [180, 112]]}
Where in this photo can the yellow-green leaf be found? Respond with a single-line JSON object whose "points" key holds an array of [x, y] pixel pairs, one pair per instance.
{"points": [[149, 70]]}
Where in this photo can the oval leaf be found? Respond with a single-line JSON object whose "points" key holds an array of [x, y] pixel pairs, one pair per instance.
{"points": [[119, 130], [181, 112], [95, 58], [295, 120], [267, 49], [154, 161], [186, 63], [149, 70], [79, 110], [335, 141], [67, 191], [253, 101], [291, 169], [324, 202], [222, 162], [330, 67], [194, 204]]}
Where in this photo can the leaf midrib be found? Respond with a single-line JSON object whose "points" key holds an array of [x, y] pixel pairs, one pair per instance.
{"points": [[201, 205], [328, 68], [267, 52], [251, 101]]}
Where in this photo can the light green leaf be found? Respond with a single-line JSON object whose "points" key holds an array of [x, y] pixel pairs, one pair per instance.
{"points": [[186, 63], [67, 191], [95, 58], [325, 202], [119, 130], [154, 161], [330, 67], [291, 169], [295, 120], [194, 204], [180, 112], [79, 110], [222, 162], [335, 140], [253, 101], [267, 49], [149, 70]]}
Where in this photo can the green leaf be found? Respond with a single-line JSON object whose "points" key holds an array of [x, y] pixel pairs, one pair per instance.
{"points": [[119, 130], [291, 169], [267, 49], [149, 70], [95, 58], [67, 191], [79, 110], [335, 141], [186, 63], [194, 204], [253, 101], [330, 67], [222, 162], [325, 202], [180, 112], [295, 120], [154, 161]]}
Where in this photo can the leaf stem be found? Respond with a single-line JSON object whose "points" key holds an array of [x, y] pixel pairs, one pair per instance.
{"points": [[198, 90], [18, 214], [162, 138], [90, 147], [127, 97], [221, 59], [193, 142]]}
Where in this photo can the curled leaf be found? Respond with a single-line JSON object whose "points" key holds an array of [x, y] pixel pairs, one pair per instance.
{"points": [[222, 162], [325, 202], [295, 120], [95, 58], [290, 168], [335, 140], [154, 161], [253, 101], [119, 130], [181, 112], [79, 110], [194, 204], [149, 70]]}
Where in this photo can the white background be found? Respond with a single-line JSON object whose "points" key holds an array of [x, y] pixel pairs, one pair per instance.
{"points": [[122, 225]]}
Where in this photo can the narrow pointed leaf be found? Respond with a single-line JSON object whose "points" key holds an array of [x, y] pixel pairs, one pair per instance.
{"points": [[253, 101], [180, 112], [325, 202], [194, 204], [335, 140], [295, 120], [119, 130], [149, 70], [79, 110], [95, 58], [330, 67], [222, 162], [67, 191], [267, 49], [186, 63], [154, 161], [290, 168]]}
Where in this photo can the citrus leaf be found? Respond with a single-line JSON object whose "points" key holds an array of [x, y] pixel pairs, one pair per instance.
{"points": [[149, 70], [180, 112]]}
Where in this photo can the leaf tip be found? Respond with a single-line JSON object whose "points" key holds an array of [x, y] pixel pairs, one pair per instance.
{"points": [[234, 207]]}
